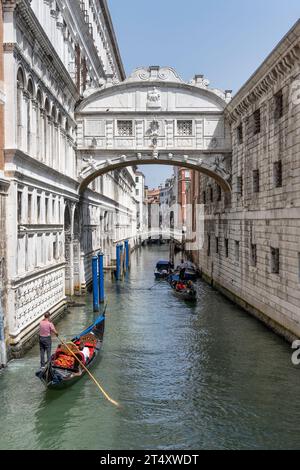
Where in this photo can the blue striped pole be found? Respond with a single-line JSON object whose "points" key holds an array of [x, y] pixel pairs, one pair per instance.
{"points": [[122, 258], [118, 271], [95, 284], [101, 277], [127, 254]]}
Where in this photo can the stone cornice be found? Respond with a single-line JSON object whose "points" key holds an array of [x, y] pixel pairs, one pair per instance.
{"points": [[113, 39], [53, 60], [12, 155], [278, 65]]}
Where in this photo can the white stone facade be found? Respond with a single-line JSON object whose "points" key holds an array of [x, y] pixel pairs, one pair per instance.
{"points": [[54, 53]]}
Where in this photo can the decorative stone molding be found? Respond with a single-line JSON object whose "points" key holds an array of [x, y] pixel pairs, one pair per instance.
{"points": [[42, 293], [155, 73], [216, 165], [256, 88]]}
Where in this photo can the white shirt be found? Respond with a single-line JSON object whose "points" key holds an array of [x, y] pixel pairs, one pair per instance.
{"points": [[86, 352]]}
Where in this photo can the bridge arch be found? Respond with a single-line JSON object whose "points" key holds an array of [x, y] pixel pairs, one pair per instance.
{"points": [[154, 117]]}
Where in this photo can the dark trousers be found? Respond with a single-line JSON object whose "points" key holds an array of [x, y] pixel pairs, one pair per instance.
{"points": [[45, 346]]}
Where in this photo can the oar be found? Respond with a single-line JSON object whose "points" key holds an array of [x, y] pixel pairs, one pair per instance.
{"points": [[89, 373]]}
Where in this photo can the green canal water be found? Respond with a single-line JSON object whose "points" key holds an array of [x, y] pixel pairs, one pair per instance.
{"points": [[188, 377]]}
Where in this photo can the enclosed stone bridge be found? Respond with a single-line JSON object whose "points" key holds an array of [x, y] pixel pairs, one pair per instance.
{"points": [[154, 117]]}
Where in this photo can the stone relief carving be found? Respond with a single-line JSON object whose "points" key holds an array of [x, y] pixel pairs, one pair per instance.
{"points": [[155, 73], [44, 292], [154, 98], [220, 166], [153, 130]]}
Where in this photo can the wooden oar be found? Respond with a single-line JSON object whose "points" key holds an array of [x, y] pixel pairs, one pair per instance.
{"points": [[89, 373]]}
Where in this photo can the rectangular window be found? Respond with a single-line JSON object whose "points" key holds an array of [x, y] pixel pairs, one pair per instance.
{"points": [[253, 255], [275, 265], [29, 208], [219, 193], [20, 206], [211, 194], [278, 111], [208, 245], [38, 206], [54, 250], [47, 210], [240, 135], [226, 247], [185, 128], [136, 179], [239, 188], [137, 192], [53, 211], [256, 181], [204, 197], [125, 128], [277, 174], [217, 245], [257, 122], [237, 251]]}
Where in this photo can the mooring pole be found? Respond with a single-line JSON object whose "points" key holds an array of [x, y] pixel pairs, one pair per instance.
{"points": [[118, 262], [127, 254], [101, 277], [121, 259], [95, 284]]}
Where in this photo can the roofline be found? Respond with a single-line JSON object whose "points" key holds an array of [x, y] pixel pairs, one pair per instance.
{"points": [[146, 84], [286, 42], [113, 37]]}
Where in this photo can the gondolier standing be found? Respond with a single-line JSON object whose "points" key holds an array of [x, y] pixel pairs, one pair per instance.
{"points": [[46, 328]]}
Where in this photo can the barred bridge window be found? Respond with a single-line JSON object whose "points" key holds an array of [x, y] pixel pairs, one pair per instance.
{"points": [[185, 128], [125, 128]]}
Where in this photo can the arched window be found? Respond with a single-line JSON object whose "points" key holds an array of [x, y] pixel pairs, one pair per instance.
{"points": [[20, 88], [39, 132], [46, 131], [54, 139], [29, 115], [30, 87]]}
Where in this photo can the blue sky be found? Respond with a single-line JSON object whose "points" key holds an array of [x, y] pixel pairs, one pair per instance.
{"points": [[226, 40]]}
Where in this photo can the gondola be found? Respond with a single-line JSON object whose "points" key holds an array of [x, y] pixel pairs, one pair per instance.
{"points": [[63, 370], [188, 294], [189, 271], [163, 269]]}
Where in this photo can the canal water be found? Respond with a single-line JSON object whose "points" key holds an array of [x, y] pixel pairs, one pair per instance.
{"points": [[188, 377]]}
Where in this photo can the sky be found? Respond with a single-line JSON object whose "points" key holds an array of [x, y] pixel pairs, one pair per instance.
{"points": [[226, 40]]}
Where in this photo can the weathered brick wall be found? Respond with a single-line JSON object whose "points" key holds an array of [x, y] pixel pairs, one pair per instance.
{"points": [[269, 218]]}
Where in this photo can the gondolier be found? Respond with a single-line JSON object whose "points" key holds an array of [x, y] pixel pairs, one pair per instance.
{"points": [[46, 329]]}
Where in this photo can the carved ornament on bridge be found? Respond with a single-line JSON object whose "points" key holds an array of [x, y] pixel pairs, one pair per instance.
{"points": [[154, 98], [155, 73]]}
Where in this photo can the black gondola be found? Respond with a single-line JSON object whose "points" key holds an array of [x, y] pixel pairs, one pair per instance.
{"points": [[62, 371], [163, 269], [188, 293]]}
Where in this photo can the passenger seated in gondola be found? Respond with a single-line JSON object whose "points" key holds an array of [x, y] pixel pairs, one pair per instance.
{"points": [[85, 351], [180, 286]]}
